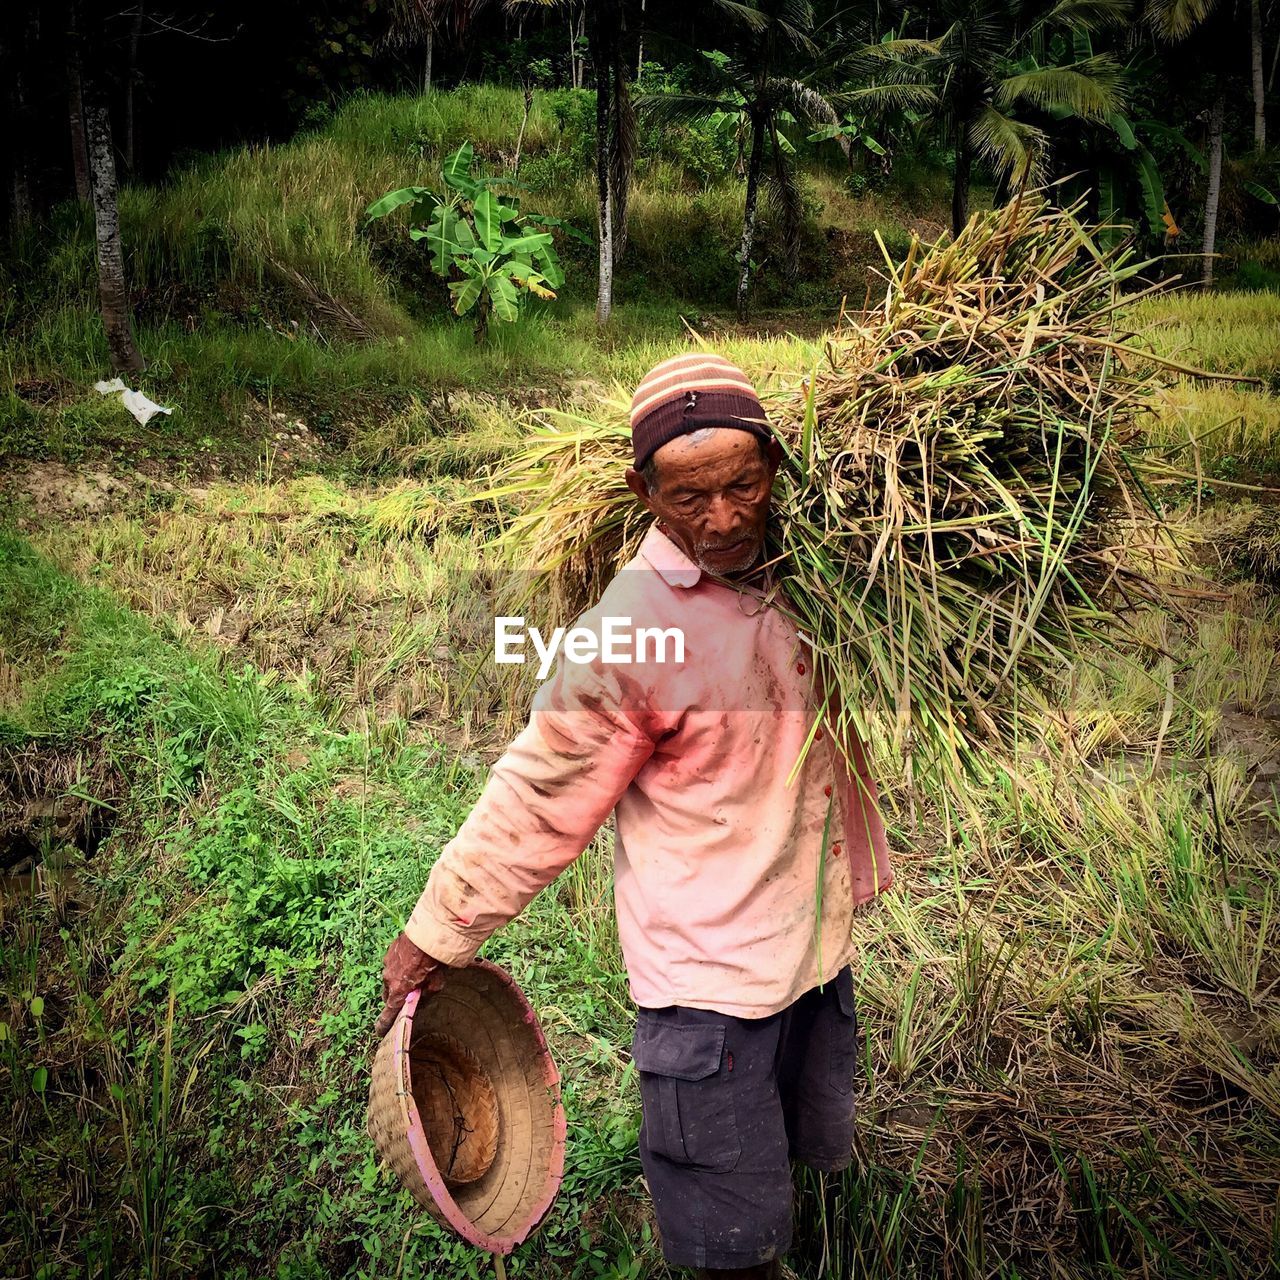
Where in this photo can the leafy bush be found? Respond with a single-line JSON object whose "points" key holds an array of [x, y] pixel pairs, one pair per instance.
{"points": [[574, 111], [481, 244], [705, 150], [549, 172]]}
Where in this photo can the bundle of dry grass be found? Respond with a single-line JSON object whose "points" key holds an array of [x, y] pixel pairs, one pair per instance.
{"points": [[943, 519], [1258, 552]]}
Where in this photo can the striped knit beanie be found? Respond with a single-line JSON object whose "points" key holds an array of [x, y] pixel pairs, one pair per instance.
{"points": [[688, 392]]}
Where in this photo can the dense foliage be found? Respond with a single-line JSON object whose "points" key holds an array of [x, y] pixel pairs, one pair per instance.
{"points": [[481, 243], [1035, 87]]}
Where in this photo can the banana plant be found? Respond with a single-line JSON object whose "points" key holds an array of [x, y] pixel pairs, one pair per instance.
{"points": [[481, 243], [1150, 184], [1110, 150], [853, 131]]}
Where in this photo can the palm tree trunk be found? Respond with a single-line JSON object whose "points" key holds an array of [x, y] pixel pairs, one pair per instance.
{"points": [[1259, 92], [75, 114], [598, 34], [604, 292], [788, 199], [113, 293], [130, 83], [964, 171], [426, 65], [1214, 185], [622, 144], [749, 212], [640, 55]]}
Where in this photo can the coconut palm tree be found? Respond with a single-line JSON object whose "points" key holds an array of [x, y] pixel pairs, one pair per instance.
{"points": [[419, 22], [1217, 41], [615, 135], [1173, 21], [782, 66], [992, 58]]}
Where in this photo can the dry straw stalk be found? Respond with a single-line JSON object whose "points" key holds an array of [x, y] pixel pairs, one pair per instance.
{"points": [[950, 515]]}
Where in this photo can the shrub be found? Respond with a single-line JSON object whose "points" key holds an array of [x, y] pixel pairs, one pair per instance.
{"points": [[482, 244]]}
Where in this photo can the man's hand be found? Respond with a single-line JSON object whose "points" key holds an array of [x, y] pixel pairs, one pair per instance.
{"points": [[405, 967]]}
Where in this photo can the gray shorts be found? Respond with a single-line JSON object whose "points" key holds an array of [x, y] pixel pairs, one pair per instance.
{"points": [[728, 1103]]}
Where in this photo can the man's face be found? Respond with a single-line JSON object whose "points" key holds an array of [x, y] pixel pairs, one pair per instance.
{"points": [[712, 494]]}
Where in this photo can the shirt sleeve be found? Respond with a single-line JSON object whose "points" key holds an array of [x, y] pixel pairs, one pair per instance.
{"points": [[590, 732]]}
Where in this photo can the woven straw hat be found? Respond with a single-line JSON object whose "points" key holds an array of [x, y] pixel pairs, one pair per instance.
{"points": [[465, 1107]]}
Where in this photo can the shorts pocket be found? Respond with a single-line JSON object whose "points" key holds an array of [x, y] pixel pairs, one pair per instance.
{"points": [[686, 1094], [843, 1040]]}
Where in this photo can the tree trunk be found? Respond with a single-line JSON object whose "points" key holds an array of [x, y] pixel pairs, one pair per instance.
{"points": [[604, 219], [582, 62], [1259, 92], [749, 213], [640, 55], [426, 66], [622, 147], [75, 114], [1214, 185], [130, 83], [112, 290], [598, 36], [964, 171]]}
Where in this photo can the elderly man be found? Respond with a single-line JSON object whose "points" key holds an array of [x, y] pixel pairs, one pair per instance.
{"points": [[736, 873]]}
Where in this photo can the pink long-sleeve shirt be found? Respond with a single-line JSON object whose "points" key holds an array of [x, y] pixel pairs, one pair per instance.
{"points": [[718, 856]]}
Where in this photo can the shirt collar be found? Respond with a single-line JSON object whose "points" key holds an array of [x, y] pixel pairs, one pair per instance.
{"points": [[671, 564]]}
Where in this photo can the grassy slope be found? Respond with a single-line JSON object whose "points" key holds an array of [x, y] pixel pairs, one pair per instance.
{"points": [[260, 866], [215, 256]]}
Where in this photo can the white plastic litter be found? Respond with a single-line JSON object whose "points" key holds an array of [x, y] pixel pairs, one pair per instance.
{"points": [[142, 407]]}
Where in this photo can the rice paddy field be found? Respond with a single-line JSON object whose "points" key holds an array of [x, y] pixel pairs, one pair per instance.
{"points": [[243, 706]]}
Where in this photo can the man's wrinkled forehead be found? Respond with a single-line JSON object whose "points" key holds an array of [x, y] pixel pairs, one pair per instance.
{"points": [[706, 452]]}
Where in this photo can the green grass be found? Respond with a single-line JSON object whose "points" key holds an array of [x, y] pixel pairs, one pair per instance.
{"points": [[259, 287], [1076, 972], [259, 869], [225, 382], [1058, 943]]}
